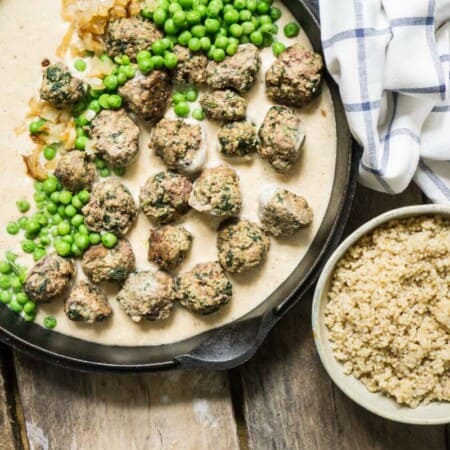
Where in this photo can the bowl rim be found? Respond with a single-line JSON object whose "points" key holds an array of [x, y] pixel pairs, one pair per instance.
{"points": [[319, 298]]}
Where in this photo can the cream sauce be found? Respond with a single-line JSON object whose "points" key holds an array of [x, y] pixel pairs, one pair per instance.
{"points": [[26, 39]]}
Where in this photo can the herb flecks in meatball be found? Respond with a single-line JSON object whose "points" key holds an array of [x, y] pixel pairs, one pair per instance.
{"points": [[147, 96], [236, 72], [204, 289], [129, 36], [191, 67], [294, 78], [75, 171], [164, 197], [281, 138], [282, 212], [242, 246], [216, 191], [109, 264], [110, 208], [180, 144], [224, 105], [148, 295], [115, 137], [87, 303], [168, 246], [238, 138], [60, 88], [49, 278]]}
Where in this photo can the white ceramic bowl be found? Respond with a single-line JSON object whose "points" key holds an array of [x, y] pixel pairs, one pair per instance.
{"points": [[432, 414]]}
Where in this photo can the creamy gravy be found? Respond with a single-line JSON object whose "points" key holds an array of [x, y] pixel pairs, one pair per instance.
{"points": [[26, 39]]}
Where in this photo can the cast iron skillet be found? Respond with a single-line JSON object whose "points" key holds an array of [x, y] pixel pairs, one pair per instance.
{"points": [[228, 345]]}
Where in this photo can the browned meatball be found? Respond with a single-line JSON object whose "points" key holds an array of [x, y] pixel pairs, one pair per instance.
{"points": [[224, 105], [75, 172], [281, 138], [294, 78], [59, 87], [147, 295], [180, 144], [168, 246], [109, 264], [216, 191], [165, 196], [204, 289], [147, 96], [282, 212], [87, 303], [235, 72], [129, 36], [115, 137], [49, 278], [110, 208], [191, 68], [238, 138], [242, 246]]}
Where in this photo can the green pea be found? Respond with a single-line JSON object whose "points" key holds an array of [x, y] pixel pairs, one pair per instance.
{"points": [[77, 220], [170, 28], [75, 250], [178, 97], [158, 61], [84, 196], [62, 248], [240, 4], [65, 197], [247, 27], [44, 241], [218, 55], [5, 267], [158, 47], [16, 284], [29, 307], [50, 185], [106, 172], [28, 246], [179, 18], [37, 126], [49, 152], [278, 48], [115, 101], [263, 7], [63, 228], [191, 94], [143, 54], [22, 298], [186, 4], [23, 205], [50, 322], [29, 317], [184, 37], [231, 49], [198, 114], [32, 227], [76, 202], [54, 197], [22, 222], [231, 16], [104, 101], [15, 306], [170, 60], [11, 256], [174, 7], [83, 229], [193, 17], [212, 25], [275, 13], [244, 15], [109, 240], [5, 282], [257, 38], [159, 16], [181, 109], [221, 42], [5, 296], [119, 171], [194, 44], [80, 65], [111, 82], [70, 211], [81, 241], [205, 43], [95, 238], [291, 30], [146, 13], [68, 238], [39, 253], [12, 228]]}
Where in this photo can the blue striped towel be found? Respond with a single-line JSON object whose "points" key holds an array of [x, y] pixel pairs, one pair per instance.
{"points": [[391, 60]]}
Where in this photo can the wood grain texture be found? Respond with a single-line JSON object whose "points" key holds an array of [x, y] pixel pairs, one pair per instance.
{"points": [[9, 433], [289, 400], [169, 411]]}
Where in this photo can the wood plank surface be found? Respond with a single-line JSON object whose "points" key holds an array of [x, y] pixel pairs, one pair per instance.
{"points": [[171, 411], [9, 437], [289, 400]]}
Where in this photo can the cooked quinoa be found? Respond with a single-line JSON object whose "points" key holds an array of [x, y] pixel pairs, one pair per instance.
{"points": [[388, 312]]}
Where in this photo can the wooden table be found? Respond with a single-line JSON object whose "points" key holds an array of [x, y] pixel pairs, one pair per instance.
{"points": [[281, 399]]}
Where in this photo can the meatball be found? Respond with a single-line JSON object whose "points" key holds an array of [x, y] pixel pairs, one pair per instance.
{"points": [[75, 172], [148, 295], [180, 144], [282, 212], [236, 72], [191, 68], [242, 245], [204, 289], [224, 105], [109, 264], [49, 278], [110, 208], [165, 196], [294, 78], [168, 246], [115, 137], [87, 303], [238, 138], [280, 138], [59, 87], [216, 191], [129, 36], [147, 96]]}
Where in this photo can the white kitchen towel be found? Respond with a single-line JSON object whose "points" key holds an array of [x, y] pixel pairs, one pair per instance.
{"points": [[391, 60]]}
